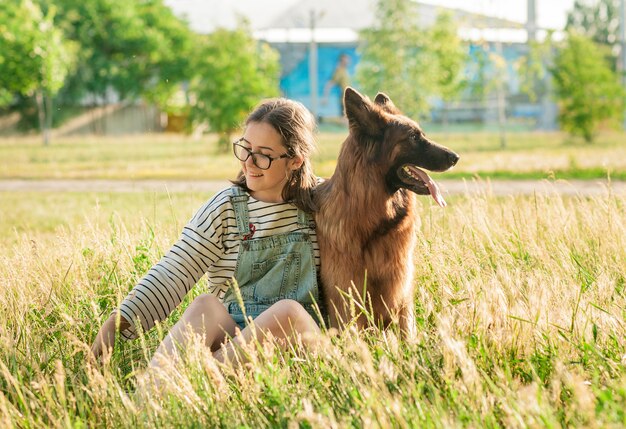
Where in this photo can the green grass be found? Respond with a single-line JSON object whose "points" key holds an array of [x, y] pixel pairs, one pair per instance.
{"points": [[529, 155], [520, 313], [44, 215]]}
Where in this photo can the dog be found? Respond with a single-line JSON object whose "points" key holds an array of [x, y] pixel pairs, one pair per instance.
{"points": [[366, 222]]}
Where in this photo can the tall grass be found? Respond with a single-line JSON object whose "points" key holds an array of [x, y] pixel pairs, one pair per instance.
{"points": [[521, 313]]}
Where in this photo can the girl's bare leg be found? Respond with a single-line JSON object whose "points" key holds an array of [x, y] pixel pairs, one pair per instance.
{"points": [[206, 316], [284, 320]]}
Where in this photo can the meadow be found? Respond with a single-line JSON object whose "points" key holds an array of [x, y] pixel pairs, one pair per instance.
{"points": [[521, 305], [529, 155]]}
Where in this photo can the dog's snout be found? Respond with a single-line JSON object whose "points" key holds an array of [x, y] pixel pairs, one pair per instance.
{"points": [[453, 158]]}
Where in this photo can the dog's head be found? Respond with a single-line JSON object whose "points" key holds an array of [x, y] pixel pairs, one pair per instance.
{"points": [[389, 139]]}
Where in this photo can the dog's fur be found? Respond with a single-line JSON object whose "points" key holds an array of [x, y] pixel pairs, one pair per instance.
{"points": [[366, 222]]}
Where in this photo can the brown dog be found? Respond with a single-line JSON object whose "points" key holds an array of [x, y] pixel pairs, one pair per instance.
{"points": [[366, 222]]}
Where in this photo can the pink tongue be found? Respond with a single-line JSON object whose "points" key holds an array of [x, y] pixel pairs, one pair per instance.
{"points": [[432, 186]]}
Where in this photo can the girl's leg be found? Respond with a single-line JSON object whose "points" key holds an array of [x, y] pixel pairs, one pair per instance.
{"points": [[205, 316], [284, 320]]}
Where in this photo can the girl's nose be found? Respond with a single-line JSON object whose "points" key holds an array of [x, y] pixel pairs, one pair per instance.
{"points": [[250, 161]]}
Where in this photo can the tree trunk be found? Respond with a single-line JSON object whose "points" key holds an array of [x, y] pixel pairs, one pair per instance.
{"points": [[49, 104], [41, 113]]}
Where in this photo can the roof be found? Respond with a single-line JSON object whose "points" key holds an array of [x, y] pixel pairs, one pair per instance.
{"points": [[360, 14], [289, 21]]}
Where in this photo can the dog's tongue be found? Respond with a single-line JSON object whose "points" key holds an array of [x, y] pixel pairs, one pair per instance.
{"points": [[432, 186]]}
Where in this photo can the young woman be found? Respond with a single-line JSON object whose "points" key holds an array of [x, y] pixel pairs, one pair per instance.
{"points": [[259, 232]]}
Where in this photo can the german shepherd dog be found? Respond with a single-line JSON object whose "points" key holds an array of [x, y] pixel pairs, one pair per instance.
{"points": [[366, 222]]}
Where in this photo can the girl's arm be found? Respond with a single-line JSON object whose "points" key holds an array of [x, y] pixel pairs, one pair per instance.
{"points": [[165, 285]]}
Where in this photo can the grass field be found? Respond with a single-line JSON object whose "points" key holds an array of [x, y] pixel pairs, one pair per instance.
{"points": [[521, 310], [529, 155]]}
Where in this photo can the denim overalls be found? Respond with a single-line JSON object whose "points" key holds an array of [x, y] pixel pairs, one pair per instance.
{"points": [[273, 268]]}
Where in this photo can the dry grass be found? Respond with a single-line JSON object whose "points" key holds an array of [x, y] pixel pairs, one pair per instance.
{"points": [[521, 312]]}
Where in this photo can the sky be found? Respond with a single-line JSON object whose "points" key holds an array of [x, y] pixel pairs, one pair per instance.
{"points": [[550, 13]]}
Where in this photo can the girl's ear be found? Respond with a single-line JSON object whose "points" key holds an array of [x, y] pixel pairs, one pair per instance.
{"points": [[296, 162]]}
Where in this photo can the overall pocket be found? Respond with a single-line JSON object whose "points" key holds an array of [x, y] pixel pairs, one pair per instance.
{"points": [[276, 278]]}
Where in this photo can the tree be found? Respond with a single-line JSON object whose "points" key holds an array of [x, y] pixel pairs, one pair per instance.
{"points": [[395, 58], [598, 20], [534, 68], [450, 55], [35, 58], [232, 72], [171, 59], [588, 91], [409, 63], [140, 49]]}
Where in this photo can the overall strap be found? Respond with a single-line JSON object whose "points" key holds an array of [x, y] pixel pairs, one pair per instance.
{"points": [[239, 200], [305, 220]]}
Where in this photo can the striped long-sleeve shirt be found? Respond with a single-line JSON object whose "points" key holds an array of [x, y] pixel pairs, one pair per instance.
{"points": [[208, 244]]}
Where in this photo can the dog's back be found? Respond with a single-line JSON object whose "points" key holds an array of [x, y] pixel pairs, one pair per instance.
{"points": [[366, 222]]}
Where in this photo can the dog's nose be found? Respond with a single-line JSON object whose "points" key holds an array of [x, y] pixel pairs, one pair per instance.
{"points": [[453, 158]]}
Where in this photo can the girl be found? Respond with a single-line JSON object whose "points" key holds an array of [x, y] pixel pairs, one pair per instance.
{"points": [[259, 232]]}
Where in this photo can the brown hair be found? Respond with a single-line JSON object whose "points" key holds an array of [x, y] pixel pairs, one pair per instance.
{"points": [[296, 126]]}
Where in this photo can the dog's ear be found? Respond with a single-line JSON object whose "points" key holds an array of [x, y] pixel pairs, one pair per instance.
{"points": [[385, 102], [363, 115]]}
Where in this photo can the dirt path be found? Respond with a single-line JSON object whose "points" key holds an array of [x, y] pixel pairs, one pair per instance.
{"points": [[449, 187]]}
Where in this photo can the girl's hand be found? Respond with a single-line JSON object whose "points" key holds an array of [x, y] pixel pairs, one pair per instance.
{"points": [[105, 340]]}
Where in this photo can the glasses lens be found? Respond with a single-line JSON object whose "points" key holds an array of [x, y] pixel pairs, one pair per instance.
{"points": [[261, 161], [243, 153], [240, 152]]}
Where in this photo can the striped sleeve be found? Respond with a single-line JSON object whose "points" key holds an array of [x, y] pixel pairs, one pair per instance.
{"points": [[165, 285]]}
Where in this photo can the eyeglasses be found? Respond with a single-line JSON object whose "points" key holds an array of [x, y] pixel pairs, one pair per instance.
{"points": [[261, 160]]}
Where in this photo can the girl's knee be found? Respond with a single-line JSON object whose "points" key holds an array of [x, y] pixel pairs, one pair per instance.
{"points": [[290, 312], [204, 304]]}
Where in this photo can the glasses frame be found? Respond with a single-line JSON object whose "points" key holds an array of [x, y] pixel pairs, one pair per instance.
{"points": [[254, 155]]}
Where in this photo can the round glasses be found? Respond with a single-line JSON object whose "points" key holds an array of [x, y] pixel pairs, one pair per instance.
{"points": [[260, 160]]}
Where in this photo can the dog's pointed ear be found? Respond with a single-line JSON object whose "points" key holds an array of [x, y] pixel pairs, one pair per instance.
{"points": [[385, 102], [363, 116]]}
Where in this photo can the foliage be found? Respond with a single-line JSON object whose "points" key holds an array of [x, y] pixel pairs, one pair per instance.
{"points": [[534, 68], [232, 72], [35, 59], [598, 20], [450, 55], [409, 63], [395, 59], [588, 91], [140, 49], [169, 63]]}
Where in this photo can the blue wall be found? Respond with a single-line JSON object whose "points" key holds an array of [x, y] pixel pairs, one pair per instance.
{"points": [[295, 84]]}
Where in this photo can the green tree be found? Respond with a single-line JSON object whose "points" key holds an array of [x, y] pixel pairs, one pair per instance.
{"points": [[35, 58], [395, 58], [170, 62], [598, 20], [232, 72], [450, 55], [138, 50], [588, 91], [534, 68], [410, 63]]}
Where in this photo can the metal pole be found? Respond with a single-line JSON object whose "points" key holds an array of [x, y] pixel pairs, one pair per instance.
{"points": [[622, 38], [531, 20], [313, 85], [501, 98]]}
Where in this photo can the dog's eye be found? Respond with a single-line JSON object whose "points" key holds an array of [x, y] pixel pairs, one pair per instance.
{"points": [[417, 139]]}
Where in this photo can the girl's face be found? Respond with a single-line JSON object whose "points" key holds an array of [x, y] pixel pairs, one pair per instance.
{"points": [[267, 185]]}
